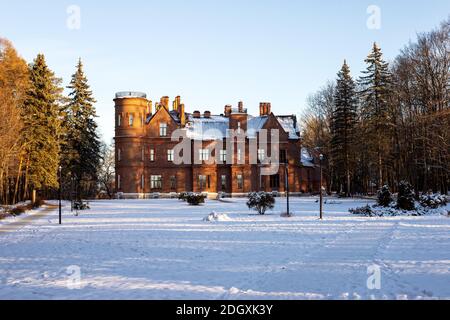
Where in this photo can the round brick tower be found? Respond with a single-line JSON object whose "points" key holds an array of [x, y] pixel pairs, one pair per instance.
{"points": [[131, 112]]}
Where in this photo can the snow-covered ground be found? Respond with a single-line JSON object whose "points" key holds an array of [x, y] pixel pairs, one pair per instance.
{"points": [[163, 249]]}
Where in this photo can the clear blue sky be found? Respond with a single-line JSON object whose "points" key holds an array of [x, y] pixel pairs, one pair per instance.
{"points": [[212, 53]]}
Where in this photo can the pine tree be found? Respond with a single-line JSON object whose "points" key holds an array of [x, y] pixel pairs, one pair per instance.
{"points": [[42, 129], [343, 128], [375, 95], [82, 153]]}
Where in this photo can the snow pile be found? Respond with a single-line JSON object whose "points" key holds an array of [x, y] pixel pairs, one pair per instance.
{"points": [[214, 216]]}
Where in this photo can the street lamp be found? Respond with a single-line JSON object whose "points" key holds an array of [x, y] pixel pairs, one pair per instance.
{"points": [[60, 206], [286, 179], [321, 184]]}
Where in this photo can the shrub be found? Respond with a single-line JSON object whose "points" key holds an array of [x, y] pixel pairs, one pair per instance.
{"points": [[182, 196], [195, 199], [261, 201], [363, 211], [405, 200], [17, 211], [80, 205], [433, 201], [384, 197]]}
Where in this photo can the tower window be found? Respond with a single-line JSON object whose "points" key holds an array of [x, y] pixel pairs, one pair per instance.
{"points": [[119, 120], [131, 120]]}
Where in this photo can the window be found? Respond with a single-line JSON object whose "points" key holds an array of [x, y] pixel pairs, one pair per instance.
{"points": [[223, 156], [201, 182], [131, 120], [240, 181], [239, 127], [203, 154], [173, 182], [283, 158], [143, 154], [156, 182], [119, 120], [275, 181], [239, 155], [119, 154], [152, 155], [163, 130], [261, 155], [142, 182], [170, 155], [224, 182], [119, 182]]}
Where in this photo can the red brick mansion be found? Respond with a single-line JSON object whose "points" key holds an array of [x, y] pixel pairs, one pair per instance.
{"points": [[147, 140]]}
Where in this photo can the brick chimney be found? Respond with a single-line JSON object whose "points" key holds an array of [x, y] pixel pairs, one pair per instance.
{"points": [[228, 109], [165, 102], [207, 114], [197, 114], [241, 107], [182, 114], [265, 109], [176, 103]]}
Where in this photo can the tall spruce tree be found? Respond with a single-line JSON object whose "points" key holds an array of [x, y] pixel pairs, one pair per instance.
{"points": [[375, 96], [42, 130], [343, 128], [82, 152]]}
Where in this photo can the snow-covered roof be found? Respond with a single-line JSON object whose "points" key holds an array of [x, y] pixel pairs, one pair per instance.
{"points": [[307, 159], [289, 125], [213, 128], [216, 127]]}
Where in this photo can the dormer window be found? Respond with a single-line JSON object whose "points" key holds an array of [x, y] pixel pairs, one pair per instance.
{"points": [[163, 130]]}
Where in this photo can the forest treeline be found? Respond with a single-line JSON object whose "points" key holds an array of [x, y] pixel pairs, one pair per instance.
{"points": [[390, 124], [44, 134]]}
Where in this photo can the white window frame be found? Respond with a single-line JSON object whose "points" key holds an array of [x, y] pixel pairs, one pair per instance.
{"points": [[170, 155], [156, 182], [163, 129], [152, 155], [203, 154], [223, 156], [261, 155]]}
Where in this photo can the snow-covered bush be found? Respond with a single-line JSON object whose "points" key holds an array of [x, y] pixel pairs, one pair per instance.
{"points": [[182, 196], [363, 211], [261, 201], [433, 201], [195, 199], [405, 200], [384, 196]]}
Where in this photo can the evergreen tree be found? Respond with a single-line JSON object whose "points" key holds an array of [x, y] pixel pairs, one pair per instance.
{"points": [[375, 95], [405, 199], [343, 128], [42, 129], [82, 153], [384, 197]]}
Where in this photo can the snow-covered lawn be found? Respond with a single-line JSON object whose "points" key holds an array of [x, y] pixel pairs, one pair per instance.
{"points": [[163, 249]]}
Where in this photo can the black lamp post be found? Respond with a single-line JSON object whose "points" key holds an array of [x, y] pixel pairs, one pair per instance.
{"points": [[60, 195], [286, 179], [321, 187]]}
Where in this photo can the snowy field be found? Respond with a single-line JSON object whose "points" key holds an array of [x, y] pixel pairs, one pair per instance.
{"points": [[162, 249]]}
